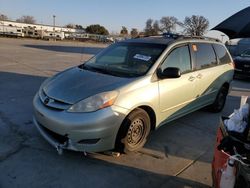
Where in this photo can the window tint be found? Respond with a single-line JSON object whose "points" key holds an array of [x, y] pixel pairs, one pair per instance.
{"points": [[204, 55], [222, 54], [180, 58]]}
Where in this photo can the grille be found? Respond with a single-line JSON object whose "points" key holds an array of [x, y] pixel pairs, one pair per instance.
{"points": [[242, 66], [53, 103]]}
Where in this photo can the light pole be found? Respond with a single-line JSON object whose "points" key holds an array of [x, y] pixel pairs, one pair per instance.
{"points": [[54, 25]]}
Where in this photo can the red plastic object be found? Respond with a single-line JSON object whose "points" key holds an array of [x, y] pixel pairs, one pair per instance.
{"points": [[219, 160]]}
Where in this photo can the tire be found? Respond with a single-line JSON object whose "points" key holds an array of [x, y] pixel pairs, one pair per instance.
{"points": [[220, 101], [134, 131]]}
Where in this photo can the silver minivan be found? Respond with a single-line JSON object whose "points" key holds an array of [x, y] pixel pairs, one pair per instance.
{"points": [[114, 100]]}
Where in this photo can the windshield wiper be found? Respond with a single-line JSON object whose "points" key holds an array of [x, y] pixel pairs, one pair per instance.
{"points": [[87, 67], [104, 70], [98, 69]]}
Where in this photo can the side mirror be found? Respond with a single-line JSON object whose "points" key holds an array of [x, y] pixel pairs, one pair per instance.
{"points": [[169, 72]]}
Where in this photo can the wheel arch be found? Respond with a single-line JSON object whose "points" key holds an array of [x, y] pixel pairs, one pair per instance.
{"points": [[121, 132], [151, 114], [226, 85]]}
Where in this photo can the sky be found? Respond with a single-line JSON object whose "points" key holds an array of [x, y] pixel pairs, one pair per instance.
{"points": [[113, 14]]}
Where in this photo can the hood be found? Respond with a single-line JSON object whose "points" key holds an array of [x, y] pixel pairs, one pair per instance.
{"points": [[236, 26], [76, 84]]}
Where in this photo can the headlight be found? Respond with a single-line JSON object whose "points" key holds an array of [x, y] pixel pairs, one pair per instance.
{"points": [[95, 102]]}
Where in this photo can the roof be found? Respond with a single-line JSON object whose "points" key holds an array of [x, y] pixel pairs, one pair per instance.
{"points": [[166, 39], [151, 40]]}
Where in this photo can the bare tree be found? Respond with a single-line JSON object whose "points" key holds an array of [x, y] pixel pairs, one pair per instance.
{"points": [[124, 31], [169, 23], [148, 29], [134, 33], [152, 27], [195, 25], [27, 19], [156, 27], [3, 17]]}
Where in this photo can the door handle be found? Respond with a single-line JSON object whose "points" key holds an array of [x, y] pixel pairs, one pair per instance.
{"points": [[199, 76], [191, 78]]}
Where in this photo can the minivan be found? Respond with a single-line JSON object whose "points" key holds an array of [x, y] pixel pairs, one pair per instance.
{"points": [[115, 99]]}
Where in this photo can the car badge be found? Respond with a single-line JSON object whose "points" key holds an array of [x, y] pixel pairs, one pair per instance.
{"points": [[46, 100]]}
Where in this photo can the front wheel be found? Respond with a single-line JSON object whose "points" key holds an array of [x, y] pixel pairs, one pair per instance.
{"points": [[220, 101], [134, 131]]}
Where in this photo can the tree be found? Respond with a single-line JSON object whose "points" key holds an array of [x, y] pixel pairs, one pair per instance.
{"points": [[97, 29], [124, 31], [27, 19], [3, 17], [156, 28], [70, 25], [134, 33], [73, 26], [152, 27], [78, 27], [149, 28], [169, 23], [195, 25]]}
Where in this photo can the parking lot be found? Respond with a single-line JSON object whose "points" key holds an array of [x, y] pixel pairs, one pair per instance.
{"points": [[178, 154]]}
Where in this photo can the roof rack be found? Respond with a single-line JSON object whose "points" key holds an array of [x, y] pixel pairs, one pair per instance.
{"points": [[166, 35], [179, 36], [171, 35], [199, 37]]}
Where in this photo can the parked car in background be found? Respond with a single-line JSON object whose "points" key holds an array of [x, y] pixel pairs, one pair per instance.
{"points": [[242, 64], [114, 100]]}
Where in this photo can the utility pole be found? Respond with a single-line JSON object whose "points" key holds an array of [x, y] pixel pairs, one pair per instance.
{"points": [[54, 25]]}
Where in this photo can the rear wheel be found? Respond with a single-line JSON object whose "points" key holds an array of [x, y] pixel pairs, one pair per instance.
{"points": [[134, 131], [220, 101]]}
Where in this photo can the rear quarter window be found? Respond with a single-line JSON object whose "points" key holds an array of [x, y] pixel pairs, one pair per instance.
{"points": [[222, 54], [204, 55]]}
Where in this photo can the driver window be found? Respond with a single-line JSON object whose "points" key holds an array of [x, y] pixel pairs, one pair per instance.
{"points": [[180, 58]]}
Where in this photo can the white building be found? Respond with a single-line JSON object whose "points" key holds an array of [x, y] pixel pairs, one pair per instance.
{"points": [[39, 27]]}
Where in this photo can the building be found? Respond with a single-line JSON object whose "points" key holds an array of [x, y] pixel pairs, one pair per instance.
{"points": [[37, 30]]}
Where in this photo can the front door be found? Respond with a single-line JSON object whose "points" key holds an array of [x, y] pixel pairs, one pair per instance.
{"points": [[177, 94]]}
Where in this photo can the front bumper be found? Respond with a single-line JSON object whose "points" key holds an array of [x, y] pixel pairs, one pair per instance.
{"points": [[88, 132]]}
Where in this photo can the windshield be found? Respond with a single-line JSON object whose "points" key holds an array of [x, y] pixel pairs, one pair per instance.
{"points": [[125, 59]]}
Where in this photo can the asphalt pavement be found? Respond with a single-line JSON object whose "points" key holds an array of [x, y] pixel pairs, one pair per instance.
{"points": [[178, 154]]}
